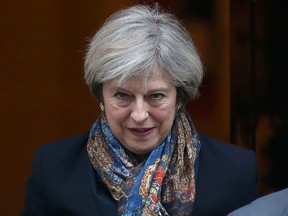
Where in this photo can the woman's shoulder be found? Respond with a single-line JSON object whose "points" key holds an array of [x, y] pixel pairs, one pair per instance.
{"points": [[66, 150], [66, 144], [235, 160], [227, 177], [212, 145]]}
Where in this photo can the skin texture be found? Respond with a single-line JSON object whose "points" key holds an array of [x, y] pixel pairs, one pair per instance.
{"points": [[140, 118]]}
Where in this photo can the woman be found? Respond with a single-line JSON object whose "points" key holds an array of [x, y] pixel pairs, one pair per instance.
{"points": [[143, 155]]}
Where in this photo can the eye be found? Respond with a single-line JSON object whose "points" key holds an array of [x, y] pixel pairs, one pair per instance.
{"points": [[157, 96], [121, 96]]}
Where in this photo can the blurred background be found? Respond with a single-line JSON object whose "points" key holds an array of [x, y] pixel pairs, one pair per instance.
{"points": [[43, 96]]}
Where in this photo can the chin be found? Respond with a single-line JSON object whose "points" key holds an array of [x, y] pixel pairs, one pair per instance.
{"points": [[140, 151]]}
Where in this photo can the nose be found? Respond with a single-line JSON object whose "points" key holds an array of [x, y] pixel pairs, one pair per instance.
{"points": [[139, 111]]}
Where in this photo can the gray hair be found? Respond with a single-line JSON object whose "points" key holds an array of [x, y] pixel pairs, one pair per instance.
{"points": [[133, 41]]}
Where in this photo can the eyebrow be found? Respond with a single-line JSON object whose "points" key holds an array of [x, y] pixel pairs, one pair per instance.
{"points": [[164, 89]]}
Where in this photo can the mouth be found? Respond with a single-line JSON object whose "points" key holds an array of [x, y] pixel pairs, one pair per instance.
{"points": [[141, 132]]}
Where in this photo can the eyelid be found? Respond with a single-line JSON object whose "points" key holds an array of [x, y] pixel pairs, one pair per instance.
{"points": [[157, 95], [121, 95]]}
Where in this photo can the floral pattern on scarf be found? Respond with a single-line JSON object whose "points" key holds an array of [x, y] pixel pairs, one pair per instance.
{"points": [[163, 184]]}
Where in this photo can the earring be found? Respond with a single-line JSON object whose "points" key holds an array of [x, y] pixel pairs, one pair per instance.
{"points": [[102, 107], [178, 106]]}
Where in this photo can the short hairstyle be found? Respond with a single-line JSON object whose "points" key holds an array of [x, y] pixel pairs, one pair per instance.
{"points": [[135, 39]]}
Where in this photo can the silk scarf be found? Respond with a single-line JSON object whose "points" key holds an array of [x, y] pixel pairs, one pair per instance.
{"points": [[163, 184]]}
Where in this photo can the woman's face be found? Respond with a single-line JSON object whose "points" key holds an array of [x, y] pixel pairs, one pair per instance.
{"points": [[140, 119]]}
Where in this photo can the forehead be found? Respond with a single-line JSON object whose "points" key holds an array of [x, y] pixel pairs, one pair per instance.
{"points": [[153, 80]]}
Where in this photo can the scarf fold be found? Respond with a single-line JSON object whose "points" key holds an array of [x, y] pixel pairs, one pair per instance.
{"points": [[163, 184]]}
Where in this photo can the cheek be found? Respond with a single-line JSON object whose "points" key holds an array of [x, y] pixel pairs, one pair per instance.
{"points": [[165, 118], [116, 116]]}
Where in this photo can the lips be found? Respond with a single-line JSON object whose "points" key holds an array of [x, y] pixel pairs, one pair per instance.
{"points": [[141, 132]]}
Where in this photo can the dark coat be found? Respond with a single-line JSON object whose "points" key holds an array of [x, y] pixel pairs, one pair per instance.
{"points": [[63, 181]]}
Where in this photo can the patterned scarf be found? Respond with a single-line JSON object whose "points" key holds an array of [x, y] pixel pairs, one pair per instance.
{"points": [[163, 184]]}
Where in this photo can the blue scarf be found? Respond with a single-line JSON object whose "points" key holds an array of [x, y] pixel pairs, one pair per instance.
{"points": [[163, 184]]}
